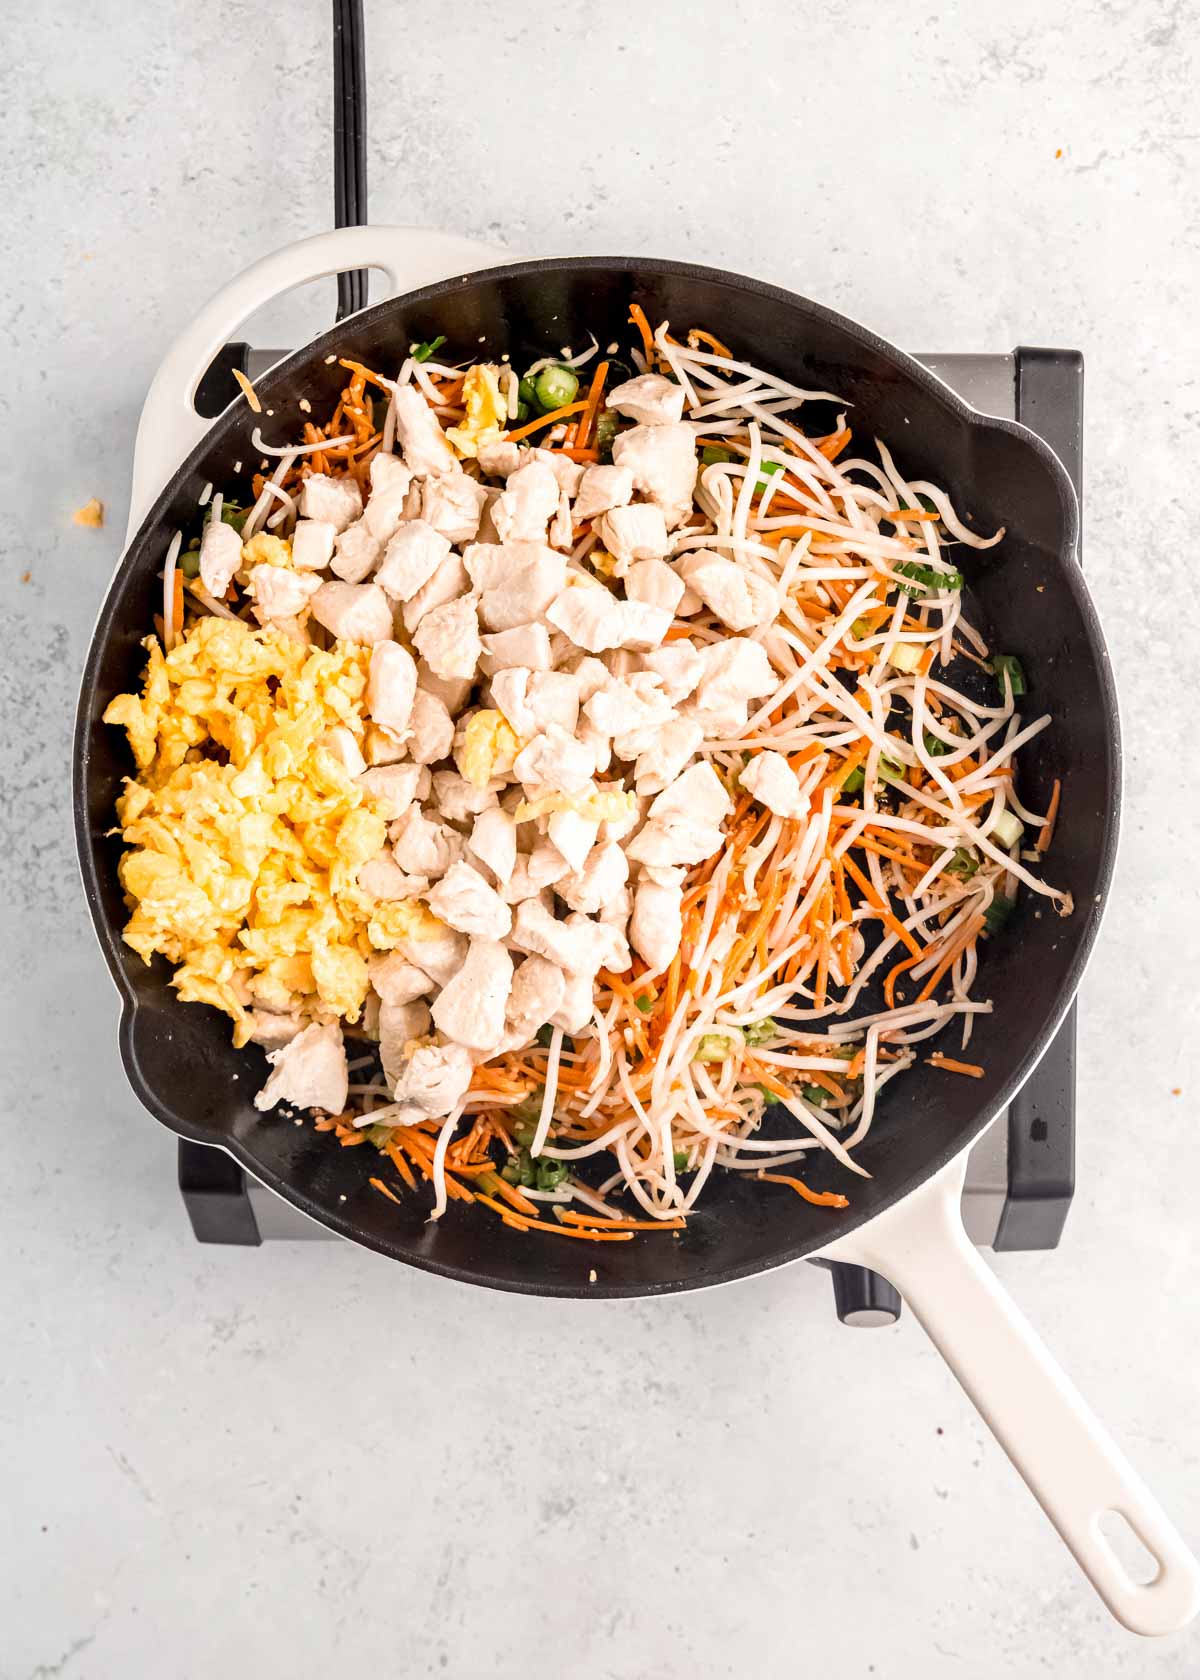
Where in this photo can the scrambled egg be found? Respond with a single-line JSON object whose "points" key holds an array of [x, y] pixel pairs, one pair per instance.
{"points": [[487, 410], [263, 549], [247, 834], [488, 747]]}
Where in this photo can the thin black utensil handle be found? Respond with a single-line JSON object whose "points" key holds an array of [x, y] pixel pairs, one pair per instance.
{"points": [[349, 140]]}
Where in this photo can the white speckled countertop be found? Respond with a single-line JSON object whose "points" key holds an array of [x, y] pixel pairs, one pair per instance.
{"points": [[299, 1460]]}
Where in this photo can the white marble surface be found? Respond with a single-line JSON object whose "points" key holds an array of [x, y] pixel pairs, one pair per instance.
{"points": [[301, 1460]]}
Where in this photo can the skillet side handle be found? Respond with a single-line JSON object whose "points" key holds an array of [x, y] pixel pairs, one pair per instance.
{"points": [[170, 427], [1056, 1443]]}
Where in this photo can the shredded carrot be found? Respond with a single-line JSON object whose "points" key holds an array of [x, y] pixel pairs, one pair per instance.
{"points": [[949, 1065], [378, 1184], [572, 1218], [544, 420], [819, 1198], [396, 1157], [595, 392], [714, 344], [248, 391], [637, 316], [1047, 834], [521, 1224]]}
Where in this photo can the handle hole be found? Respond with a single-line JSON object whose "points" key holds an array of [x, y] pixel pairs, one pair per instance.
{"points": [[1128, 1548]]}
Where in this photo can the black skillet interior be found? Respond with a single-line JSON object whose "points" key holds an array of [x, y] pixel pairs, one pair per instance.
{"points": [[1029, 589]]}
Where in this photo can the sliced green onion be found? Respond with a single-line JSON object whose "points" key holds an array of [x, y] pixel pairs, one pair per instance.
{"points": [[232, 514], [906, 656], [854, 780], [712, 455], [935, 746], [713, 1047], [680, 1157], [760, 1032], [554, 387], [815, 1094], [189, 563], [1009, 662], [607, 426], [767, 470], [997, 913], [422, 352], [926, 577], [764, 1092], [964, 863], [890, 771], [929, 506], [380, 1136], [645, 1003], [527, 1112], [1007, 827]]}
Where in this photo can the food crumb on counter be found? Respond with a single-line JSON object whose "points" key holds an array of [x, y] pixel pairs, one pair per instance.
{"points": [[90, 515]]}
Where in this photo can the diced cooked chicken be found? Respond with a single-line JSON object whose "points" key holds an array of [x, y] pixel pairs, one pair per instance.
{"points": [[391, 685], [448, 583], [220, 556], [518, 581], [578, 1003], [662, 462], [357, 553], [567, 472], [437, 949], [380, 746], [601, 878], [308, 1072], [393, 787], [655, 583], [500, 459], [509, 689], [661, 761], [431, 729], [527, 505], [278, 592], [533, 872], [340, 742], [424, 846], [453, 505], [602, 488], [697, 793], [433, 1080], [537, 992], [413, 554], [572, 836], [457, 799], [382, 877], [636, 532], [470, 1009], [399, 1025], [736, 671], [464, 900], [397, 980], [553, 698], [337, 500], [740, 598], [773, 782], [391, 482], [526, 645], [616, 910], [426, 450], [650, 399], [554, 762], [682, 825], [656, 925], [453, 692], [578, 946], [562, 527], [312, 544], [645, 625], [353, 612], [590, 615], [448, 638], [680, 667], [493, 840], [272, 1030]]}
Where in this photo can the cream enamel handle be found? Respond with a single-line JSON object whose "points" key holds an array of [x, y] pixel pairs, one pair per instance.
{"points": [[1060, 1448], [170, 426]]}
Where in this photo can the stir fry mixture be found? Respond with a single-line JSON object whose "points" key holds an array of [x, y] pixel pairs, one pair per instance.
{"points": [[579, 782]]}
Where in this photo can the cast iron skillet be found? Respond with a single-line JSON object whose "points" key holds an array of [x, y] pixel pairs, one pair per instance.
{"points": [[904, 1220], [1030, 590]]}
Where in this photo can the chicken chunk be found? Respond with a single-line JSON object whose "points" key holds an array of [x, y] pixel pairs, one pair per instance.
{"points": [[413, 554], [500, 459], [382, 877], [590, 615], [736, 671], [682, 825], [527, 505], [448, 638], [463, 900], [578, 946], [493, 840], [602, 488], [650, 399], [572, 836], [448, 583], [567, 472], [457, 799], [537, 992], [697, 793], [220, 556], [662, 462], [655, 583], [391, 685], [518, 581], [636, 532], [740, 598], [679, 666], [396, 979], [426, 450], [509, 690], [431, 728], [578, 1003], [470, 1010], [434, 1079], [773, 782], [393, 787], [336, 500], [554, 762], [533, 872], [453, 504], [661, 761], [399, 1025], [308, 1072], [312, 544], [603, 875], [656, 925], [340, 743], [353, 612], [424, 846], [357, 553], [453, 692], [278, 592], [391, 482], [437, 949], [526, 645]]}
